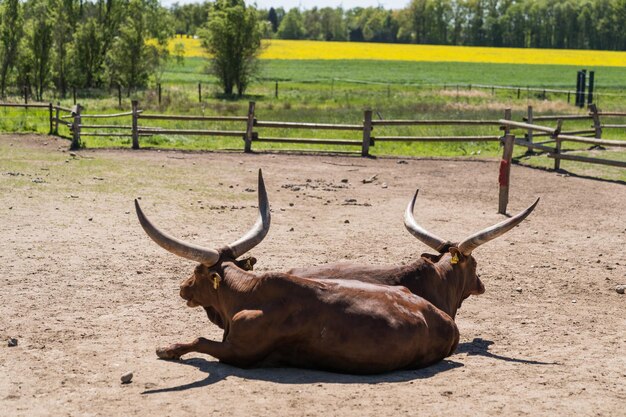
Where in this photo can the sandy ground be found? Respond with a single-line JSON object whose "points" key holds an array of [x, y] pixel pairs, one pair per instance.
{"points": [[89, 297]]}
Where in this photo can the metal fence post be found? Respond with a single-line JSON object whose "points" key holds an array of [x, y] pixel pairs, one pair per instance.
{"points": [[591, 82], [135, 129]]}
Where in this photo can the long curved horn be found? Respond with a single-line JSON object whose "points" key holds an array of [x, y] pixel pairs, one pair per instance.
{"points": [[418, 231], [196, 253], [260, 228], [469, 244]]}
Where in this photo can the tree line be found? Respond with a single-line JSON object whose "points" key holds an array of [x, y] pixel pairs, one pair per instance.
{"points": [[572, 24], [104, 43], [82, 44]]}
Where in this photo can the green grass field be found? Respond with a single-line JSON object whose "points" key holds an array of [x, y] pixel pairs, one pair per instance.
{"points": [[406, 72]]}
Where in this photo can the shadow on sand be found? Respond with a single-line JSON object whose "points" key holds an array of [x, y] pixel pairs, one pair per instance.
{"points": [[480, 347], [218, 371]]}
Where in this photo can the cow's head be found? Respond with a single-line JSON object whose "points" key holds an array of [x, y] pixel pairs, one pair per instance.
{"points": [[455, 260], [201, 288]]}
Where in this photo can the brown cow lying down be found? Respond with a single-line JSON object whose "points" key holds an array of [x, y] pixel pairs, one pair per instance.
{"points": [[338, 325], [445, 279]]}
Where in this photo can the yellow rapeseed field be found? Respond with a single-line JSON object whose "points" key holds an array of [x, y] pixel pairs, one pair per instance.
{"points": [[284, 49]]}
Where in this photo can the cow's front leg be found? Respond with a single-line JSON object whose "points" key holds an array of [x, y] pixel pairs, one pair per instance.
{"points": [[219, 350]]}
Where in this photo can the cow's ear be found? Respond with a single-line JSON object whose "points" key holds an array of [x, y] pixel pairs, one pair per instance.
{"points": [[457, 256], [246, 264], [431, 257]]}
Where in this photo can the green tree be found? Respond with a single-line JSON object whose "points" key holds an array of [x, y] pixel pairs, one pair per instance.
{"points": [[129, 60], [87, 55], [333, 24], [292, 25], [273, 18], [37, 48], [10, 34], [233, 38], [62, 13]]}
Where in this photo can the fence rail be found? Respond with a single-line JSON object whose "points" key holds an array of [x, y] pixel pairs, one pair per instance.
{"points": [[433, 122], [194, 118], [436, 138], [295, 125]]}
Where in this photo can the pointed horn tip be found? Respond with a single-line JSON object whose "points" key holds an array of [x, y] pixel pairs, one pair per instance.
{"points": [[532, 206], [412, 204]]}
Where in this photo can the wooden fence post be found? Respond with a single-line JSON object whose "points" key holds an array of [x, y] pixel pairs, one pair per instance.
{"points": [[25, 95], [367, 132], [505, 165], [249, 128], [529, 120], [596, 120], [199, 92], [276, 90], [76, 128], [135, 128], [51, 118], [119, 96], [159, 93], [56, 119], [557, 149]]}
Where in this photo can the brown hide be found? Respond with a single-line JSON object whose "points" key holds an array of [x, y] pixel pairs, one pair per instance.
{"points": [[433, 277], [338, 325]]}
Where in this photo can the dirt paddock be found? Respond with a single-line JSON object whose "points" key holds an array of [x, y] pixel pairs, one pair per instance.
{"points": [[89, 296]]}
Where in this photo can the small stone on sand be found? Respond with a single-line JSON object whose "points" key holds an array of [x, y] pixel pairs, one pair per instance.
{"points": [[127, 378]]}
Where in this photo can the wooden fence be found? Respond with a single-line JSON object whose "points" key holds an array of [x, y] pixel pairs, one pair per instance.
{"points": [[556, 136], [251, 131]]}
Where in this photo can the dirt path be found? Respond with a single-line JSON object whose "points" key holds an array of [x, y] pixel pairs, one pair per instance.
{"points": [[88, 296]]}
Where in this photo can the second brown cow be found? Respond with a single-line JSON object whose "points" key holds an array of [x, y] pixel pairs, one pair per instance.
{"points": [[444, 279]]}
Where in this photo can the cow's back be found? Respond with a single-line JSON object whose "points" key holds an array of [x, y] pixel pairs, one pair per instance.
{"points": [[357, 327]]}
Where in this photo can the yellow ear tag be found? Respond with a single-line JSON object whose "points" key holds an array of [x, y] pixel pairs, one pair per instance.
{"points": [[455, 259], [216, 281]]}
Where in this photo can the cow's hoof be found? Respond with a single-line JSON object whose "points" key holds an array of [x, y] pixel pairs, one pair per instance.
{"points": [[166, 353]]}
